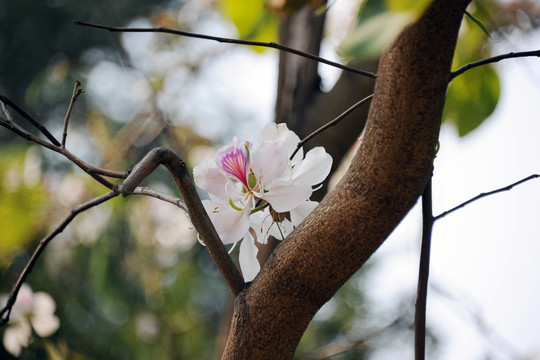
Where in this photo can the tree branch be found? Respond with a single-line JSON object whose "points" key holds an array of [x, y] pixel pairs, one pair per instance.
{"points": [[423, 276], [198, 216], [477, 197], [494, 59], [6, 310], [272, 45]]}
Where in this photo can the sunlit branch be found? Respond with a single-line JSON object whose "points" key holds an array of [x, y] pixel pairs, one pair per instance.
{"points": [[197, 213], [77, 90], [272, 45], [423, 275], [506, 188], [6, 311], [331, 123], [494, 59]]}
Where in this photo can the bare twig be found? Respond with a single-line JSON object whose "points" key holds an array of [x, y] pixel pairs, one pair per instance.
{"points": [[30, 119], [506, 188], [494, 59], [198, 216], [77, 90], [6, 311], [331, 123], [272, 45], [423, 275]]}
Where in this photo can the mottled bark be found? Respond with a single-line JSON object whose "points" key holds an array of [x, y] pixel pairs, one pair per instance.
{"points": [[385, 179]]}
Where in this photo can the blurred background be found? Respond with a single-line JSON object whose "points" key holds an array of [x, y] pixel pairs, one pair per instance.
{"points": [[129, 278]]}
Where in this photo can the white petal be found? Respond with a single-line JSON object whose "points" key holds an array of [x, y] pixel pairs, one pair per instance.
{"points": [[16, 337], [280, 132], [230, 224], [44, 321], [257, 226], [284, 196], [299, 213], [248, 258], [314, 168], [270, 161]]}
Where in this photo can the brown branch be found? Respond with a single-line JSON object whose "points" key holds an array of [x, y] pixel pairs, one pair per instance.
{"points": [[6, 311], [30, 119], [494, 59], [272, 45], [198, 216], [77, 90], [423, 275], [331, 123], [477, 197]]}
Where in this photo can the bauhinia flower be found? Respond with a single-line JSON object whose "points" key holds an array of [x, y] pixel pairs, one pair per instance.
{"points": [[31, 310], [255, 194]]}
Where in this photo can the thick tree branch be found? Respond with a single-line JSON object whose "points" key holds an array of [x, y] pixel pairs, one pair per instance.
{"points": [[389, 172]]}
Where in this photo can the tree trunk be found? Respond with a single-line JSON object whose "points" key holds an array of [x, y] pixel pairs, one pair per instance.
{"points": [[386, 177]]}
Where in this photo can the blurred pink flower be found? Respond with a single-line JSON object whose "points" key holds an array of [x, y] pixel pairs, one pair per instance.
{"points": [[31, 310]]}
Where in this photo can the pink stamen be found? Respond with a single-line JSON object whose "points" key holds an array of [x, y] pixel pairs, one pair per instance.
{"points": [[235, 163]]}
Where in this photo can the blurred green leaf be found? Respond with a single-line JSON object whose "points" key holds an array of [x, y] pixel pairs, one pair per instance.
{"points": [[471, 98], [252, 20]]}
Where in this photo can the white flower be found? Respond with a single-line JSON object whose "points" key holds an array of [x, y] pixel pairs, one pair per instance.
{"points": [[31, 310], [255, 195]]}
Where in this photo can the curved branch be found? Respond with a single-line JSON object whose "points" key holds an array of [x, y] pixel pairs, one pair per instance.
{"points": [[198, 216]]}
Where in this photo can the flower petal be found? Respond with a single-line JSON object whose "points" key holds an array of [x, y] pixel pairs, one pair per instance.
{"points": [[230, 224], [299, 213], [44, 321], [284, 195], [270, 161], [314, 168], [248, 258], [16, 337], [280, 132]]}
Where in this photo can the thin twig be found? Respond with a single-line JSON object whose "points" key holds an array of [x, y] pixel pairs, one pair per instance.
{"points": [[30, 119], [77, 90], [331, 123], [493, 59], [6, 311], [477, 197], [423, 275], [272, 45], [143, 190], [197, 213]]}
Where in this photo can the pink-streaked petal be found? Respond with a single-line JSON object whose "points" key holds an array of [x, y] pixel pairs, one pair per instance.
{"points": [[270, 161], [216, 184], [280, 132], [314, 168], [248, 258], [233, 160], [231, 225], [299, 213], [284, 196]]}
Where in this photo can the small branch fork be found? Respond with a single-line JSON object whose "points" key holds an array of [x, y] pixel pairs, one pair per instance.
{"points": [[191, 204], [423, 276]]}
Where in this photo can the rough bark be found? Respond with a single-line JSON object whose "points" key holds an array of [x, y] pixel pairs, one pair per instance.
{"points": [[385, 179]]}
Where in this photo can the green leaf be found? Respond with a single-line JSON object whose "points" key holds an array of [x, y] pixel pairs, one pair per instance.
{"points": [[252, 20], [471, 98], [479, 23]]}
